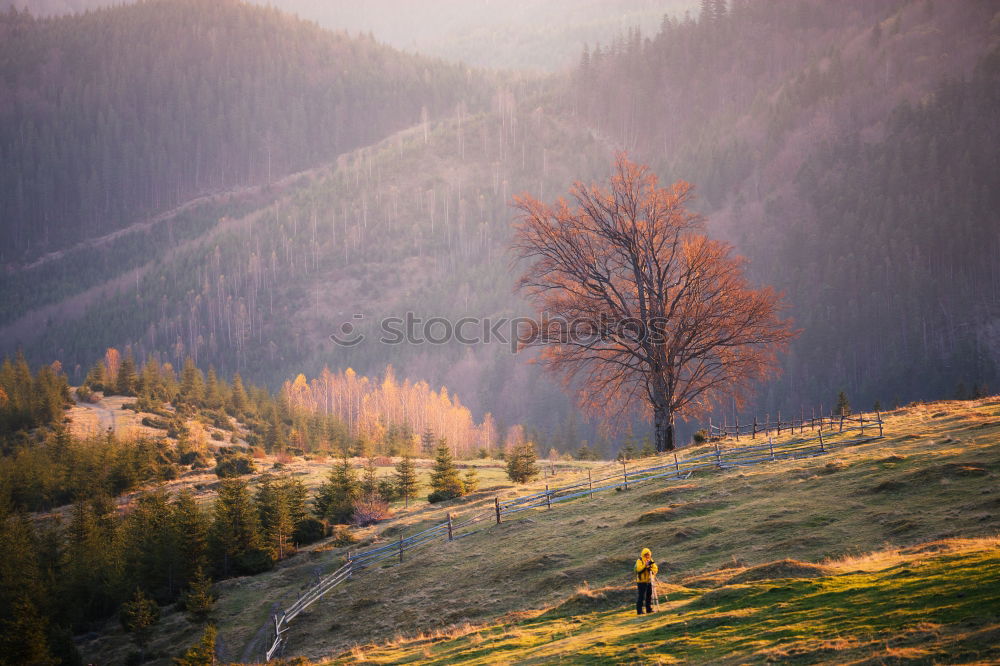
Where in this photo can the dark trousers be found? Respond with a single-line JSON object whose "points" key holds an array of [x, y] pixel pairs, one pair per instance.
{"points": [[644, 594]]}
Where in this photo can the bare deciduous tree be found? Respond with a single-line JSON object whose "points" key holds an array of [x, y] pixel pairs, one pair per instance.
{"points": [[640, 308]]}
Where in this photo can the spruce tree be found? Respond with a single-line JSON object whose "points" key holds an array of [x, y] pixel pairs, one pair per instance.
{"points": [[522, 463], [23, 636], [22, 627], [843, 406], [198, 599], [335, 498], [138, 616], [96, 377], [276, 524], [213, 391], [151, 550], [444, 476], [369, 479], [427, 443], [294, 492], [191, 526], [238, 399], [470, 480], [235, 536], [406, 479], [192, 390], [127, 382], [201, 653]]}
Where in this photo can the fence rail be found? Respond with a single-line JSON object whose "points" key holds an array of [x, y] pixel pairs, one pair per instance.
{"points": [[837, 422], [612, 476]]}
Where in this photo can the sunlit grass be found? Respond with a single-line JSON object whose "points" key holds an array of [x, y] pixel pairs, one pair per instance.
{"points": [[920, 607]]}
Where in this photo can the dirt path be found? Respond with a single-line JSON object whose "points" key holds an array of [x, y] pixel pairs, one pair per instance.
{"points": [[105, 416]]}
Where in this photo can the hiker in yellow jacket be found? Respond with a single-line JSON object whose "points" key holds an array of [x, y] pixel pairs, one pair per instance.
{"points": [[645, 569]]}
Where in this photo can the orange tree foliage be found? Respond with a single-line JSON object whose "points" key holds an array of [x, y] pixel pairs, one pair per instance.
{"points": [[638, 307]]}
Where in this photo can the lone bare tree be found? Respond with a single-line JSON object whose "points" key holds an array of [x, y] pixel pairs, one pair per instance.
{"points": [[640, 309]]}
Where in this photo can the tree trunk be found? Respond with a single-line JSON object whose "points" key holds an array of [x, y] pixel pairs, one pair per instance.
{"points": [[663, 428]]}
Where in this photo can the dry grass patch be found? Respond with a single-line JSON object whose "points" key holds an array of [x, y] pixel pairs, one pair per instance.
{"points": [[781, 569]]}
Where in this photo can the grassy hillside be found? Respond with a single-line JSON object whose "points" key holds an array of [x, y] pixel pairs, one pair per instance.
{"points": [[925, 604], [564, 573], [932, 478]]}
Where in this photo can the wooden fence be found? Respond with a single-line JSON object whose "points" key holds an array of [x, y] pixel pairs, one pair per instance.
{"points": [[600, 479], [813, 423]]}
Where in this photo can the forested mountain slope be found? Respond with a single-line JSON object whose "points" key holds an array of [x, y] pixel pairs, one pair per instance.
{"points": [[417, 223], [827, 146], [112, 115], [809, 132]]}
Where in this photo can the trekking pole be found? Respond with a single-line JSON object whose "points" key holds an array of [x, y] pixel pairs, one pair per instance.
{"points": [[656, 596]]}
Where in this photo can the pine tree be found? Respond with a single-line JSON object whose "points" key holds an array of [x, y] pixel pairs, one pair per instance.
{"points": [[213, 391], [276, 524], [22, 627], [192, 530], [192, 390], [198, 599], [444, 476], [238, 399], [127, 382], [843, 406], [470, 480], [335, 498], [406, 479], [427, 443], [202, 653], [522, 463], [294, 492], [152, 556], [96, 377], [235, 536], [369, 478], [138, 616], [23, 636]]}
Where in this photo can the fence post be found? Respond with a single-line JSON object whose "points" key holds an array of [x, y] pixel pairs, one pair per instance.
{"points": [[548, 499], [677, 467], [400, 548], [718, 456], [878, 415], [754, 427], [841, 421], [590, 479], [497, 500], [822, 447], [710, 427], [770, 446], [779, 423], [449, 527], [737, 427], [625, 472], [767, 424]]}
